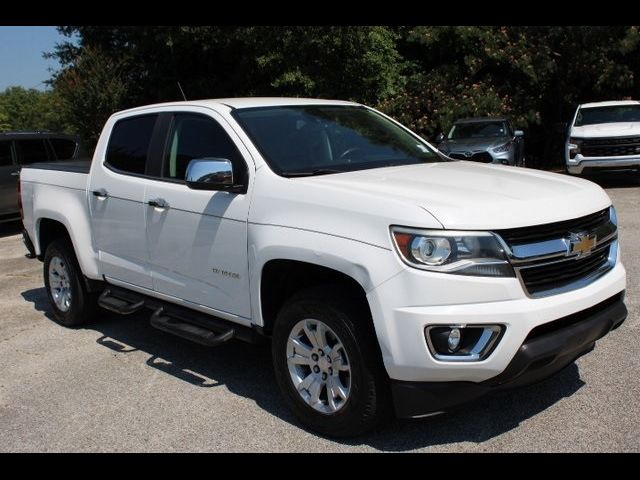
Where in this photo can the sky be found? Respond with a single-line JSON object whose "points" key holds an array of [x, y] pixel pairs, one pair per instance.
{"points": [[21, 61]]}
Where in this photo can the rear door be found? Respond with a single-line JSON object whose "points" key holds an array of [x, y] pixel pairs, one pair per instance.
{"points": [[8, 180], [116, 194]]}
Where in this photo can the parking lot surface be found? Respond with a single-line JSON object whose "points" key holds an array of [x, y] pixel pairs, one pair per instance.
{"points": [[120, 385]]}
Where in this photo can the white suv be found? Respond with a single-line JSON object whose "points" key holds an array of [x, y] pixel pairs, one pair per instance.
{"points": [[604, 136]]}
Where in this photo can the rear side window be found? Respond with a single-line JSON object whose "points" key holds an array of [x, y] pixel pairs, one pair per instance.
{"points": [[129, 144], [63, 148], [32, 151], [5, 154]]}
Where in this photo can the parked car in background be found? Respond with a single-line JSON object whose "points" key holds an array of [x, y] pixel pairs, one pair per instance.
{"points": [[24, 148], [486, 140], [604, 136]]}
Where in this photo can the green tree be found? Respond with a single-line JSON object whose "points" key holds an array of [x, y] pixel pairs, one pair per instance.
{"points": [[90, 89], [29, 109], [144, 65]]}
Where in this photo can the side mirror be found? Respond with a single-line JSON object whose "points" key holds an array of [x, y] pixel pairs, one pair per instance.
{"points": [[518, 133], [210, 174], [440, 138]]}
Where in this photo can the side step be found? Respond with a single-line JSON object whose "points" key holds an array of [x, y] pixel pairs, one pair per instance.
{"points": [[189, 331], [118, 305]]}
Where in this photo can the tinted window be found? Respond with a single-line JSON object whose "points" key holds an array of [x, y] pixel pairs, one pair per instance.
{"points": [[129, 143], [31, 151], [5, 154], [318, 139], [64, 148], [595, 115], [195, 136], [479, 130]]}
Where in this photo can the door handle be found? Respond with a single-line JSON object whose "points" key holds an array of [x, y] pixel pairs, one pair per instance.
{"points": [[15, 174], [160, 203], [100, 193]]}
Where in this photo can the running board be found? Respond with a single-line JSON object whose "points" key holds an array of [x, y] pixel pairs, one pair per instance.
{"points": [[108, 301], [189, 331]]}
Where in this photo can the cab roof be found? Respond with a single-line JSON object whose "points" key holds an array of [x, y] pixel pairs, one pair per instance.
{"points": [[247, 102]]}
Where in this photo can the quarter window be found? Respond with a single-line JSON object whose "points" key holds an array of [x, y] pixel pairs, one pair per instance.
{"points": [[129, 144], [197, 136]]}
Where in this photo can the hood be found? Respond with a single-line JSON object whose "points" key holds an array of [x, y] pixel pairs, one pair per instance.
{"points": [[617, 129], [469, 196], [485, 143]]}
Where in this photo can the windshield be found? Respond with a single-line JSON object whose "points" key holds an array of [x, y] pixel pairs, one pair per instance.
{"points": [[478, 130], [321, 139], [621, 113]]}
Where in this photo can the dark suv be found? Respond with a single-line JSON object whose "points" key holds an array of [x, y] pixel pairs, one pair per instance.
{"points": [[23, 148]]}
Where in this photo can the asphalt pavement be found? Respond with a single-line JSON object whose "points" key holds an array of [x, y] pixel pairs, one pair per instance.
{"points": [[120, 385]]}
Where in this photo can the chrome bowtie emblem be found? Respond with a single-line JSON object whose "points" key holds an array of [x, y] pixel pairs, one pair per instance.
{"points": [[582, 243]]}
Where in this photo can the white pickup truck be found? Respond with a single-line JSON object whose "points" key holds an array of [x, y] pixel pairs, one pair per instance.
{"points": [[386, 275], [604, 136]]}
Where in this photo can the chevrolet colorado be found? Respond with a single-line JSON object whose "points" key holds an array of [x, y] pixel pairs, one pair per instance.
{"points": [[386, 275]]}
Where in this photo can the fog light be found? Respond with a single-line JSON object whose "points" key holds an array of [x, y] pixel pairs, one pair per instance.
{"points": [[462, 343], [454, 339]]}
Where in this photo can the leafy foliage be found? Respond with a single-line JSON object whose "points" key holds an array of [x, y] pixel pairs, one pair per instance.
{"points": [[22, 109], [424, 76]]}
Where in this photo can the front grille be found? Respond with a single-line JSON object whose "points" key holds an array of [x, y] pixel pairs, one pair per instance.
{"points": [[555, 271], [610, 147], [540, 278], [550, 231], [483, 157]]}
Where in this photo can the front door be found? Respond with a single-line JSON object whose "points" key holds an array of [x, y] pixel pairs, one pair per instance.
{"points": [[198, 241], [116, 201]]}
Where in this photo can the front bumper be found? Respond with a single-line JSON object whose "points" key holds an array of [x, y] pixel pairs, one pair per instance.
{"points": [[579, 164], [546, 350]]}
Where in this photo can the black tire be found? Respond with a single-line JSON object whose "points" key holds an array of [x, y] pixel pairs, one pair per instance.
{"points": [[369, 402], [83, 305]]}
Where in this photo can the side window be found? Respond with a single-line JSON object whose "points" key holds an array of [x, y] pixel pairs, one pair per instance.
{"points": [[63, 148], [129, 143], [5, 154], [196, 136], [31, 151]]}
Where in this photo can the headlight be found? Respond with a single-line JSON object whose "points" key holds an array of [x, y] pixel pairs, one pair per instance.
{"points": [[574, 146], [503, 148], [457, 252]]}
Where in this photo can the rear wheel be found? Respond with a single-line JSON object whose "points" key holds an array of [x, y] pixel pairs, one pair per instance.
{"points": [[72, 304], [328, 366]]}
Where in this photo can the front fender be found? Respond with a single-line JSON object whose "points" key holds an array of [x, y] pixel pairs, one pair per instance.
{"points": [[369, 265]]}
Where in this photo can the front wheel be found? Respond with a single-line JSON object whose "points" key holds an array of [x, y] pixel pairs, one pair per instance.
{"points": [[72, 304], [328, 366]]}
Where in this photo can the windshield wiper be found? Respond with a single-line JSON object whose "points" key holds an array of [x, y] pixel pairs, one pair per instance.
{"points": [[311, 173]]}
